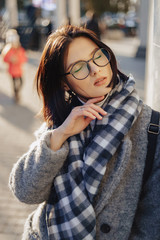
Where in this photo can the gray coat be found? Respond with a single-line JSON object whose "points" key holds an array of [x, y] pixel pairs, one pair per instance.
{"points": [[120, 212]]}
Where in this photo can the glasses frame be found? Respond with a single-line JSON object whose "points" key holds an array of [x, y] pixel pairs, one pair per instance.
{"points": [[88, 66]]}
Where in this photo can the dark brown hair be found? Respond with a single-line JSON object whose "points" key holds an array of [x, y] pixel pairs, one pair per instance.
{"points": [[50, 73]]}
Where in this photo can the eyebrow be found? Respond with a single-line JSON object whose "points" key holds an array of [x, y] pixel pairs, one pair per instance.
{"points": [[70, 65]]}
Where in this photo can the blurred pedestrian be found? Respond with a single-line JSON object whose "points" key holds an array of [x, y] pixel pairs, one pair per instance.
{"points": [[92, 23], [14, 54], [87, 165]]}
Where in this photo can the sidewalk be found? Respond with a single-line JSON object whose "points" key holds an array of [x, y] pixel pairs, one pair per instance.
{"points": [[18, 123]]}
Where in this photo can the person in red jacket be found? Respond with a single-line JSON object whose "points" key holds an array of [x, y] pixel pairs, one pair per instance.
{"points": [[14, 54]]}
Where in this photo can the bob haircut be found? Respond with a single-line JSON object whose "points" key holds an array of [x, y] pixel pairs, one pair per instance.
{"points": [[50, 74]]}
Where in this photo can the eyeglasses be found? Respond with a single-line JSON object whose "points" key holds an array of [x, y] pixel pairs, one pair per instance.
{"points": [[81, 69]]}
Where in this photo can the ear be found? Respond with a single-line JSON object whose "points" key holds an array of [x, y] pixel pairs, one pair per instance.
{"points": [[65, 86]]}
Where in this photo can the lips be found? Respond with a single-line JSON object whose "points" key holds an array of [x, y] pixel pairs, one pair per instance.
{"points": [[100, 81]]}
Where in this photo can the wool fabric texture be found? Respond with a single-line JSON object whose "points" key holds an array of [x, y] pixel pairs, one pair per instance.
{"points": [[70, 212]]}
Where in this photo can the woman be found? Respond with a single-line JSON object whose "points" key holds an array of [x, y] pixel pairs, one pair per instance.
{"points": [[85, 169]]}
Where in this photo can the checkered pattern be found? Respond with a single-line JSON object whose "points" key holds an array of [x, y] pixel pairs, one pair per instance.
{"points": [[70, 213]]}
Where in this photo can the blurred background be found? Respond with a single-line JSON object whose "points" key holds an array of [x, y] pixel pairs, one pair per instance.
{"points": [[130, 27]]}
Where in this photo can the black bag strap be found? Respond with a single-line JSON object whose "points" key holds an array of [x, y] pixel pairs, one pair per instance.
{"points": [[153, 131]]}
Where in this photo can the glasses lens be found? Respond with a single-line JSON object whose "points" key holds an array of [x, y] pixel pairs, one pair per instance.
{"points": [[101, 57], [80, 70]]}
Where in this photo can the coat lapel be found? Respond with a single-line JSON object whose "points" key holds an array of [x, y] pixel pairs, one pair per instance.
{"points": [[114, 173]]}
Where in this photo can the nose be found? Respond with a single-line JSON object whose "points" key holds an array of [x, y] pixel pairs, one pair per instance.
{"points": [[93, 68]]}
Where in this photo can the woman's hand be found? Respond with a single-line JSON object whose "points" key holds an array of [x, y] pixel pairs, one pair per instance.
{"points": [[77, 121], [81, 116]]}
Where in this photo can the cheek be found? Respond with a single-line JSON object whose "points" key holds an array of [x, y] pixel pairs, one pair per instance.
{"points": [[109, 71], [73, 83], [79, 86]]}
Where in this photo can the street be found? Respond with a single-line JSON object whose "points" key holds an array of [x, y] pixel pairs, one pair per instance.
{"points": [[19, 121]]}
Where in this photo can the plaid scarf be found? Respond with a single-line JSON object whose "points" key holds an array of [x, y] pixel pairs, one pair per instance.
{"points": [[69, 212]]}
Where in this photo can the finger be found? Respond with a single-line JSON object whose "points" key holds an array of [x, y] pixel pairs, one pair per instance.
{"points": [[84, 113], [96, 108], [94, 113], [96, 99], [90, 112], [81, 112]]}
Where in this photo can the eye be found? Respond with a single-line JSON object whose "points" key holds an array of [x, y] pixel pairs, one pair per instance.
{"points": [[78, 67], [98, 54], [97, 57]]}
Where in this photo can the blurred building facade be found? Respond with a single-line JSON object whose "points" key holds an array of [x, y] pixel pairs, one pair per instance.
{"points": [[12, 11], [143, 10], [152, 84], [68, 11]]}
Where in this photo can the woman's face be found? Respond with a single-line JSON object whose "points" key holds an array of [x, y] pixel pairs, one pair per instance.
{"points": [[96, 84]]}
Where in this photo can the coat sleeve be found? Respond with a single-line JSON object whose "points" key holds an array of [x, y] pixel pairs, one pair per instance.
{"points": [[23, 55], [7, 55], [31, 177], [146, 224]]}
